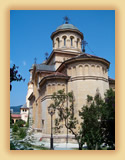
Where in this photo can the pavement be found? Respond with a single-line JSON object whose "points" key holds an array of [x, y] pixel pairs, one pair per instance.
{"points": [[57, 146], [62, 146], [35, 140]]}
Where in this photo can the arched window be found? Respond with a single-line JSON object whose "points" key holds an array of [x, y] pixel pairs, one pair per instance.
{"points": [[93, 69], [74, 71], [64, 41], [80, 70], [71, 39], [58, 42], [64, 38], [77, 42], [86, 69], [98, 70]]}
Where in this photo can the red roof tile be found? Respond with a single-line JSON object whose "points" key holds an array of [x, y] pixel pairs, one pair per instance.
{"points": [[15, 115]]}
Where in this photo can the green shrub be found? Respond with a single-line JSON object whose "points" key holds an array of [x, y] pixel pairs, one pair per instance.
{"points": [[15, 128], [22, 133], [12, 146], [20, 123]]}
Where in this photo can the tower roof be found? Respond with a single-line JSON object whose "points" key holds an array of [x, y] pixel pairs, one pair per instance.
{"points": [[67, 26], [25, 106]]}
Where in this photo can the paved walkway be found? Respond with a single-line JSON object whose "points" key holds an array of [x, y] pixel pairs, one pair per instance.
{"points": [[57, 146], [62, 146], [35, 140]]}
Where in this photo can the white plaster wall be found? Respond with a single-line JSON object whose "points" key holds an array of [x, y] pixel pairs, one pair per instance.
{"points": [[24, 115]]}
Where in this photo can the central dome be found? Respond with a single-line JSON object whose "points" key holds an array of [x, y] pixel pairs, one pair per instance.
{"points": [[67, 26], [67, 37]]}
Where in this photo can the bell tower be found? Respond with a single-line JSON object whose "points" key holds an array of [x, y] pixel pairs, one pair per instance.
{"points": [[67, 43], [67, 37]]}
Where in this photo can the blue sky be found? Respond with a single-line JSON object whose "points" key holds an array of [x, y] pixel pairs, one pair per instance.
{"points": [[30, 32]]}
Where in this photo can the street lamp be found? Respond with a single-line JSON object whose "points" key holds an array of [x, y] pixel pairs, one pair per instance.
{"points": [[51, 111]]}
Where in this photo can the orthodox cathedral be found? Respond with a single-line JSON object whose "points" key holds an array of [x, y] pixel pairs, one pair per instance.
{"points": [[68, 67]]}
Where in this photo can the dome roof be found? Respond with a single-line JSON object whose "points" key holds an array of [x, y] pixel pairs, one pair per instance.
{"points": [[67, 26]]}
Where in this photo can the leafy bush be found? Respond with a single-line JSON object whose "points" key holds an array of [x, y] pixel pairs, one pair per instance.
{"points": [[20, 123], [15, 128], [22, 133], [12, 146]]}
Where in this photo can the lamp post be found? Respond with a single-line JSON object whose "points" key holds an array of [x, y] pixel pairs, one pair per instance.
{"points": [[51, 111]]}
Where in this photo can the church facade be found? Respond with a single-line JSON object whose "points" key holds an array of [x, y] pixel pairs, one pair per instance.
{"points": [[68, 67]]}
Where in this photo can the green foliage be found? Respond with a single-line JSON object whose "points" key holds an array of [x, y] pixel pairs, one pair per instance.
{"points": [[65, 113], [58, 126], [20, 123], [14, 76], [108, 119], [15, 128], [98, 119], [12, 146], [22, 133], [91, 125], [89, 98]]}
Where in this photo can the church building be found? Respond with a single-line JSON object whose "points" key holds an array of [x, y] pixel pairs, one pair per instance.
{"points": [[68, 67]]}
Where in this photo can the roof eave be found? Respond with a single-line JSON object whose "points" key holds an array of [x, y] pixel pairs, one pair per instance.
{"points": [[81, 59], [64, 30], [53, 77]]}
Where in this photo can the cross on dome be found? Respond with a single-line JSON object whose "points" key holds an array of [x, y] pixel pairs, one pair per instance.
{"points": [[66, 20]]}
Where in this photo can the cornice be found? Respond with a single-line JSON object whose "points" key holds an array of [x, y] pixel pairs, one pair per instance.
{"points": [[75, 59], [66, 30], [87, 78]]}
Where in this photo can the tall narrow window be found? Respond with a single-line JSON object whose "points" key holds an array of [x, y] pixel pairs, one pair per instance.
{"points": [[42, 123], [71, 41], [58, 42], [64, 41], [77, 42]]}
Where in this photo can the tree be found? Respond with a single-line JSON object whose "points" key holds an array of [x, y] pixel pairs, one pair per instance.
{"points": [[20, 123], [66, 115], [14, 76], [15, 128], [91, 124], [108, 119], [97, 119], [22, 133]]}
